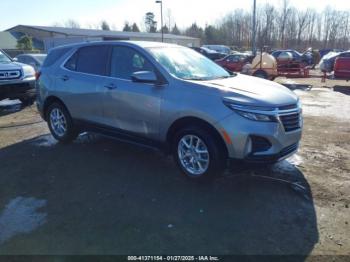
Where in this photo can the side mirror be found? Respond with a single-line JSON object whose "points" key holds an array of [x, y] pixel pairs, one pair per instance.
{"points": [[15, 59], [144, 77]]}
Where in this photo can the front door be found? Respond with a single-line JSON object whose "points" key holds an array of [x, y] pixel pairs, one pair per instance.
{"points": [[130, 106]]}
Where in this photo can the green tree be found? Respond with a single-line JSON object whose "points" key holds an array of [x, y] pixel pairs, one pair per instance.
{"points": [[194, 31], [127, 27], [135, 28], [25, 43], [150, 23], [165, 30], [105, 26], [212, 35], [175, 30]]}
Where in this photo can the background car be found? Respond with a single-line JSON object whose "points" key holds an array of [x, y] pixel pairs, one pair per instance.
{"points": [[35, 60], [211, 54], [219, 48], [325, 51], [328, 61], [342, 68], [293, 55], [235, 62]]}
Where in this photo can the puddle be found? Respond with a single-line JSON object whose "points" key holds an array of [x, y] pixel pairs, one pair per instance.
{"points": [[20, 216], [45, 141], [86, 138], [288, 165], [49, 140], [10, 106]]}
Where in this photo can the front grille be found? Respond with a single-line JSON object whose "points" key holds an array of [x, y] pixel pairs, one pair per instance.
{"points": [[291, 122], [10, 74]]}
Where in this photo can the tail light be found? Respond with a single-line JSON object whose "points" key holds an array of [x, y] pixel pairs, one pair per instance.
{"points": [[37, 75]]}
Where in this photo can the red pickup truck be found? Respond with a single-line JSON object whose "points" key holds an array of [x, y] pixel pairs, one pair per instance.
{"points": [[342, 68]]}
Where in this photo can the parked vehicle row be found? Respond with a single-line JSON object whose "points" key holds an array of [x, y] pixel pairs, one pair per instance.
{"points": [[169, 97], [262, 65]]}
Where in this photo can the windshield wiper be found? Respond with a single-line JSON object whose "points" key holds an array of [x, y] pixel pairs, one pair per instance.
{"points": [[196, 78]]}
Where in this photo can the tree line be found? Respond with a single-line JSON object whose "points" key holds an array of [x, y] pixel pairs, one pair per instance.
{"points": [[276, 27]]}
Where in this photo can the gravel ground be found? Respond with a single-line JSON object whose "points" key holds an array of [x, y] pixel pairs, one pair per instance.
{"points": [[98, 196]]}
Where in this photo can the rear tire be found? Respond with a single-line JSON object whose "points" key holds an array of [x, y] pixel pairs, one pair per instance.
{"points": [[60, 123], [198, 153], [28, 101]]}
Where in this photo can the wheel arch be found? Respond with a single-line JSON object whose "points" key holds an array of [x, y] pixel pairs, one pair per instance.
{"points": [[194, 121], [49, 101]]}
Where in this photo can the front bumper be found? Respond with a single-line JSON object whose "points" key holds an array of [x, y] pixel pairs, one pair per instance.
{"points": [[242, 132], [16, 89]]}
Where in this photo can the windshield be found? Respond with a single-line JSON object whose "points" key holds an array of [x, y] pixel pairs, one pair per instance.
{"points": [[187, 64], [4, 58]]}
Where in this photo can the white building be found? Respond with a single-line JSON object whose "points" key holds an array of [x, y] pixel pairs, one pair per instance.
{"points": [[56, 36]]}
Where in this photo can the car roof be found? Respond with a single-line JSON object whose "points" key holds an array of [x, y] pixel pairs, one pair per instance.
{"points": [[142, 44]]}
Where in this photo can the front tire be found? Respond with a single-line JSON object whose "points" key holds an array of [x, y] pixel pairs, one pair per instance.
{"points": [[60, 123], [198, 153]]}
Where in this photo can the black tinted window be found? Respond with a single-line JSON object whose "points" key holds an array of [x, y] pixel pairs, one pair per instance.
{"points": [[71, 64], [125, 61], [93, 60], [54, 55], [345, 55]]}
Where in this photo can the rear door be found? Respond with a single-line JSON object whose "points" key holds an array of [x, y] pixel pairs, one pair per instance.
{"points": [[81, 82]]}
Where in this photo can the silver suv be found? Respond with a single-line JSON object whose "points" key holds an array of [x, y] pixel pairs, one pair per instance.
{"points": [[169, 97], [17, 80]]}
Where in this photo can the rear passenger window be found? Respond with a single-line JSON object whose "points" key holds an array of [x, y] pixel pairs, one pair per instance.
{"points": [[93, 60], [71, 64]]}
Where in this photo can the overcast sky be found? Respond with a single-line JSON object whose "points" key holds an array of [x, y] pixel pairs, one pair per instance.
{"points": [[116, 12]]}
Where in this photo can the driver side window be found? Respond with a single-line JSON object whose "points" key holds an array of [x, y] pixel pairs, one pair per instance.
{"points": [[126, 61]]}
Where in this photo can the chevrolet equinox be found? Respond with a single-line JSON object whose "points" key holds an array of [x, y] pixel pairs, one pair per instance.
{"points": [[168, 97]]}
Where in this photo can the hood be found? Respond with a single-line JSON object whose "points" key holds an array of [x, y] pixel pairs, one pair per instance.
{"points": [[11, 66], [253, 91]]}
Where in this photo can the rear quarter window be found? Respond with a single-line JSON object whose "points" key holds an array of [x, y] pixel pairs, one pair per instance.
{"points": [[54, 55]]}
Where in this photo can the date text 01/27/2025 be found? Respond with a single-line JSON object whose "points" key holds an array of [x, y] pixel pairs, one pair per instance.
{"points": [[173, 258]]}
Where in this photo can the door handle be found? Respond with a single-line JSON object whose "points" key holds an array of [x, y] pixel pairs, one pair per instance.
{"points": [[111, 86], [65, 78]]}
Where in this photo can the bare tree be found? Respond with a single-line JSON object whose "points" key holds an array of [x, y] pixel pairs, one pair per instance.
{"points": [[71, 23], [303, 22], [283, 18]]}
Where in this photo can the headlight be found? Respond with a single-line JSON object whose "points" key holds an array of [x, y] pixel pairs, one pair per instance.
{"points": [[249, 112], [28, 71], [256, 117]]}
